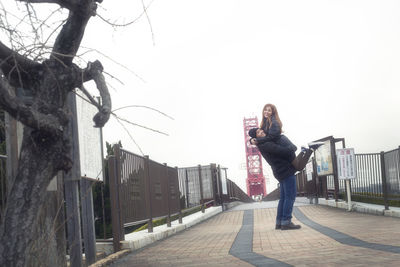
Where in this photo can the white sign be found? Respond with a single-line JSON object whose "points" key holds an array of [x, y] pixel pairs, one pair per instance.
{"points": [[309, 171], [89, 139], [323, 159], [346, 162]]}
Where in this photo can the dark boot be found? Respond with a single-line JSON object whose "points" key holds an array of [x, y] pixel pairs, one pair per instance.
{"points": [[290, 226], [277, 226]]}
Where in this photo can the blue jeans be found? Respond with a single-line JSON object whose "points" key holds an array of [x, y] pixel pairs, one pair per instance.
{"points": [[286, 200]]}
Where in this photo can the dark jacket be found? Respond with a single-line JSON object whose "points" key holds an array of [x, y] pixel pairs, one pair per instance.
{"points": [[281, 166]]}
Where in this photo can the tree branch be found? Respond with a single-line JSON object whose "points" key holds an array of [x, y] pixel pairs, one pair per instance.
{"points": [[94, 71], [69, 4], [69, 39], [11, 60], [27, 115]]}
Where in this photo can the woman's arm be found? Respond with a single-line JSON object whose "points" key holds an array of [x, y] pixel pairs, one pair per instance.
{"points": [[274, 132]]}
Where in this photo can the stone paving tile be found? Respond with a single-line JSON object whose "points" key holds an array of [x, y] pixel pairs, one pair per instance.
{"points": [[307, 247], [206, 244], [370, 228]]}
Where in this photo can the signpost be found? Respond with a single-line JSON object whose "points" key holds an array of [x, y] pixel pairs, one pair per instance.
{"points": [[346, 162], [323, 158], [309, 171]]}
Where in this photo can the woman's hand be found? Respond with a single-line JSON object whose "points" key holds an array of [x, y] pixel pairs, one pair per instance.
{"points": [[253, 141]]}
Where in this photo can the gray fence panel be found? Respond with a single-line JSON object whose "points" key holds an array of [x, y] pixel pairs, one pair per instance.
{"points": [[392, 172], [206, 177], [132, 189]]}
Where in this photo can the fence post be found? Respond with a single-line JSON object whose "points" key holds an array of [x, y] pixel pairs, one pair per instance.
{"points": [[213, 168], [187, 188], [168, 197], [315, 180], [71, 187], [87, 215], [335, 179], [335, 170], [118, 168], [384, 184], [220, 192], [148, 193], [115, 223], [180, 206], [201, 190], [325, 186]]}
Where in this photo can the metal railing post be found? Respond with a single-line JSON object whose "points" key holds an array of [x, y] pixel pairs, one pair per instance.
{"points": [[148, 193], [315, 180], [168, 197], [213, 168], [384, 184], [201, 190], [180, 206], [187, 188], [220, 187], [115, 223]]}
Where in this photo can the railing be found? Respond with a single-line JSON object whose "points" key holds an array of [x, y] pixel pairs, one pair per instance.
{"points": [[3, 183], [204, 183], [143, 190], [378, 179]]}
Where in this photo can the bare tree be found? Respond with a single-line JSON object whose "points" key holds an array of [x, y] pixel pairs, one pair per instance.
{"points": [[45, 150]]}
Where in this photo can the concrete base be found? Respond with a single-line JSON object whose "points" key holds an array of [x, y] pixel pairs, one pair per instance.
{"points": [[362, 207], [143, 238]]}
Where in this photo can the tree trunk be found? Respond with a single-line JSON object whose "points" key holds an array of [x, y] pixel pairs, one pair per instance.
{"points": [[42, 156], [27, 194], [49, 245], [45, 146]]}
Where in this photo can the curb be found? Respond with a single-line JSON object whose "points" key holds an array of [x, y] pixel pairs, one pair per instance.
{"points": [[110, 259], [160, 232], [360, 208]]}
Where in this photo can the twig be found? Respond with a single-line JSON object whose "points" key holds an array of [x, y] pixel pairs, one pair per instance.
{"points": [[129, 23], [141, 106], [138, 125], [123, 126]]}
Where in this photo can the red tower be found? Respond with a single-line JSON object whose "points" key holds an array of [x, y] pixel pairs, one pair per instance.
{"points": [[255, 179]]}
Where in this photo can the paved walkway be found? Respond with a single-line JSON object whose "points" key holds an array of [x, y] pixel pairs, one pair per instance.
{"points": [[245, 236]]}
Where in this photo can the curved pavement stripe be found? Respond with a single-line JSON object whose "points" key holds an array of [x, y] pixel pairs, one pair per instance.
{"points": [[341, 237], [242, 247]]}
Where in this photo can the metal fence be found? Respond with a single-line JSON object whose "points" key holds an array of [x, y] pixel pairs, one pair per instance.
{"points": [[378, 179], [3, 183], [142, 190], [392, 167], [191, 178]]}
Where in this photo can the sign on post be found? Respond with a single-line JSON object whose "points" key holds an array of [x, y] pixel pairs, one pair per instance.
{"points": [[309, 171], [323, 159], [346, 162], [89, 139]]}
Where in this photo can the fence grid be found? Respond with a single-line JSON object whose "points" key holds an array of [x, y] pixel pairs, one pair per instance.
{"points": [[142, 190], [378, 179]]}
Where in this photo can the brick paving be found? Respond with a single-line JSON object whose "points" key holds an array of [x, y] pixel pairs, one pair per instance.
{"points": [[209, 243]]}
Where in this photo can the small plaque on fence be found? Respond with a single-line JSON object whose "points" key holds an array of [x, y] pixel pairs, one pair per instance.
{"points": [[346, 162], [309, 171]]}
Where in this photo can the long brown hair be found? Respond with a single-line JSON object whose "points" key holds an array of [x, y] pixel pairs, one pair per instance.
{"points": [[274, 113]]}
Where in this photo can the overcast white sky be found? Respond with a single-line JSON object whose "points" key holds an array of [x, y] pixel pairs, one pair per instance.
{"points": [[330, 67]]}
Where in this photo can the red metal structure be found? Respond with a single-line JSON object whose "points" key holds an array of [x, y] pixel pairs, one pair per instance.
{"points": [[255, 178]]}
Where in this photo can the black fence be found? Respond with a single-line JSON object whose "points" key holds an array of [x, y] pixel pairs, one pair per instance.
{"points": [[3, 183], [143, 190], [378, 180]]}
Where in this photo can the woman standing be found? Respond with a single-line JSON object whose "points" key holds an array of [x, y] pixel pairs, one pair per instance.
{"points": [[282, 168]]}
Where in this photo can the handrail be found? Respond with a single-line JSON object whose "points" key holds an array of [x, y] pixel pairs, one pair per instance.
{"points": [[164, 216]]}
